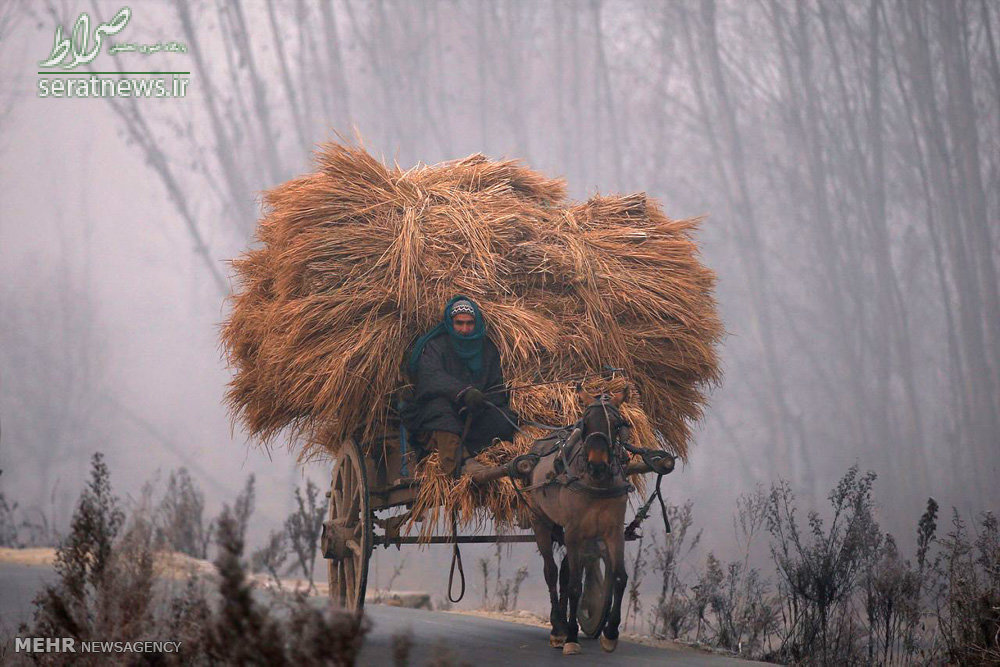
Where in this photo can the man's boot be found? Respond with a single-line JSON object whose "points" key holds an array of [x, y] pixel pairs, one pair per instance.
{"points": [[449, 448]]}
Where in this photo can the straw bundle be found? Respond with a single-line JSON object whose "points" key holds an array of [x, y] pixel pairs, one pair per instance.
{"points": [[357, 259], [438, 495]]}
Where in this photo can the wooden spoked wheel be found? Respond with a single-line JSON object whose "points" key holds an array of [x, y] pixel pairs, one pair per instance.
{"points": [[347, 535], [598, 588]]}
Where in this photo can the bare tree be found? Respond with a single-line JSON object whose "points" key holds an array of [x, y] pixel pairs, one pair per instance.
{"points": [[845, 153]]}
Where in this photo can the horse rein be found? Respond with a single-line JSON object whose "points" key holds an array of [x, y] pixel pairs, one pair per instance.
{"points": [[650, 457]]}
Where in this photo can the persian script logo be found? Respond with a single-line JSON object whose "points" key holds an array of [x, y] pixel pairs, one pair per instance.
{"points": [[82, 46], [79, 44]]}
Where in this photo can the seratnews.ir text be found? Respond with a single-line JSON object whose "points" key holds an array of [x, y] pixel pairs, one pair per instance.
{"points": [[100, 86]]}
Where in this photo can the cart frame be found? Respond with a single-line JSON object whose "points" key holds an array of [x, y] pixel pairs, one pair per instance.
{"points": [[363, 484]]}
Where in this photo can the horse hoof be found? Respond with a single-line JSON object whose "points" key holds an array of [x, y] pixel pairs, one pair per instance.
{"points": [[609, 645], [557, 641], [571, 648]]}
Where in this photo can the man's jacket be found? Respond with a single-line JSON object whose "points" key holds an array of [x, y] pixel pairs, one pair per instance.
{"points": [[440, 378]]}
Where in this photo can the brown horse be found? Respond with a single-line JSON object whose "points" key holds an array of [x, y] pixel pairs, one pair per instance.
{"points": [[591, 507]]}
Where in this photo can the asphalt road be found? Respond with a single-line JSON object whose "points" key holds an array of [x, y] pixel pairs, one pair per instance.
{"points": [[438, 638], [18, 586], [485, 642]]}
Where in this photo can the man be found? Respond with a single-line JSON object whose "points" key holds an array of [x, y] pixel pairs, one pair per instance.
{"points": [[455, 368]]}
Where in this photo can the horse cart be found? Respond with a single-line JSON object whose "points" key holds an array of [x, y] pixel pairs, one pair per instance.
{"points": [[356, 259], [370, 484]]}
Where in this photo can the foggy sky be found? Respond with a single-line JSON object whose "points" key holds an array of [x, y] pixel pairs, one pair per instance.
{"points": [[110, 317]]}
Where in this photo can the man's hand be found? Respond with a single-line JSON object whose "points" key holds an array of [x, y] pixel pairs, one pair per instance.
{"points": [[474, 399]]}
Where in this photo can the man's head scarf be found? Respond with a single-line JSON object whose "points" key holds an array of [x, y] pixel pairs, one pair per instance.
{"points": [[468, 348]]}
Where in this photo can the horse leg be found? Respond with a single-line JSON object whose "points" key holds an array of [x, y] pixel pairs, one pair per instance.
{"points": [[573, 548], [564, 587], [616, 551], [543, 537]]}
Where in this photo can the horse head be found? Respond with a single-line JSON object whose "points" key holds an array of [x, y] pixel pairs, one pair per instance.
{"points": [[599, 431]]}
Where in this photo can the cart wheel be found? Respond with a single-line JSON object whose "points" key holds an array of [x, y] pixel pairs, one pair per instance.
{"points": [[347, 534], [598, 587]]}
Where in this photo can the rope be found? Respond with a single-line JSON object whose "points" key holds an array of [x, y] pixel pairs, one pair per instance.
{"points": [[456, 557], [631, 531], [523, 421], [456, 553]]}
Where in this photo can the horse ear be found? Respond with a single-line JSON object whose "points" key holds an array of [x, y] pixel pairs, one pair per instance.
{"points": [[620, 397], [582, 395]]}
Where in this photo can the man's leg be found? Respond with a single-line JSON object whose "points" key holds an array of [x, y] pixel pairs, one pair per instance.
{"points": [[448, 447], [490, 424]]}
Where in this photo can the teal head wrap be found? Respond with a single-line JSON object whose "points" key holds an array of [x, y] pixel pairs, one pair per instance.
{"points": [[468, 348]]}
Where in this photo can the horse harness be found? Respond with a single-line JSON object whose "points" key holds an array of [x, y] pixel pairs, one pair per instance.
{"points": [[567, 454], [567, 449], [654, 459]]}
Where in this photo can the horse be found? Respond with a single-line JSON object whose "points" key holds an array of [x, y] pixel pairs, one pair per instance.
{"points": [[591, 506]]}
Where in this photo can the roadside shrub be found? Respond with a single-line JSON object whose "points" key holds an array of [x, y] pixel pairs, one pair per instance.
{"points": [[297, 539], [22, 528], [304, 527], [107, 591], [508, 590], [8, 523], [842, 592], [505, 590], [633, 602], [674, 614], [892, 605], [180, 517], [105, 583], [819, 569], [967, 591], [272, 556]]}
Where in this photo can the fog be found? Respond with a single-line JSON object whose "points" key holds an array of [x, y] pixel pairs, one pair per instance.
{"points": [[846, 157]]}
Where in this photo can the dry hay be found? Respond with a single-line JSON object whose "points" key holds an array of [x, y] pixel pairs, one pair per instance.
{"points": [[439, 495], [357, 259]]}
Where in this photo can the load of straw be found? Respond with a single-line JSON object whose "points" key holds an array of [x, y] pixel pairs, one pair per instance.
{"points": [[357, 259]]}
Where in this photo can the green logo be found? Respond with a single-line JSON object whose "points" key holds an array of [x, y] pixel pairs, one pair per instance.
{"points": [[58, 76], [78, 49]]}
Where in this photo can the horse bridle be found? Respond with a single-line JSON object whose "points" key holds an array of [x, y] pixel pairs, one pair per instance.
{"points": [[615, 421]]}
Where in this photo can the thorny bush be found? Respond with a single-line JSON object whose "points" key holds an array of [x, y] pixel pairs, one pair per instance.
{"points": [[841, 592], [108, 590], [966, 591]]}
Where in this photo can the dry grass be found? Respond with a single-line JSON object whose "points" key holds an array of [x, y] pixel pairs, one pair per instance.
{"points": [[356, 260], [439, 494]]}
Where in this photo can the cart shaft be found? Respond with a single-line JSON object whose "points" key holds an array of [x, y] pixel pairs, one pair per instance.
{"points": [[463, 539], [458, 539]]}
